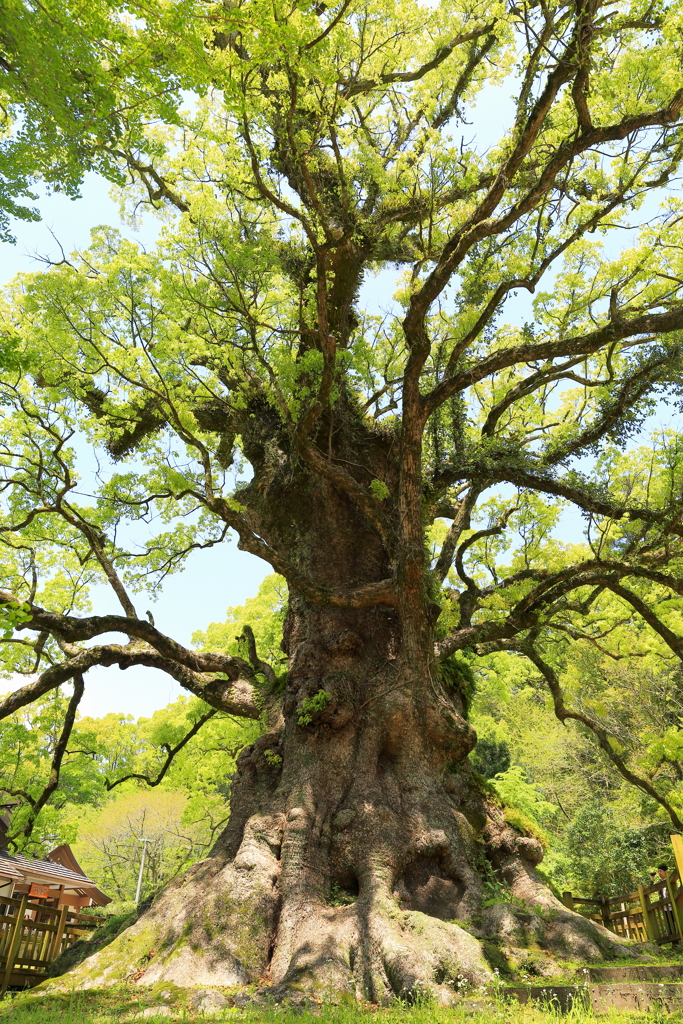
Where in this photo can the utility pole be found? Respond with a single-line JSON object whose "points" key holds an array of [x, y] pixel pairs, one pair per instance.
{"points": [[142, 867]]}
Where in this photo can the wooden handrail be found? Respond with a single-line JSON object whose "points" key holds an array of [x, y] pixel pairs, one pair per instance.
{"points": [[14, 944], [34, 935], [631, 897], [39, 908], [647, 913], [89, 919]]}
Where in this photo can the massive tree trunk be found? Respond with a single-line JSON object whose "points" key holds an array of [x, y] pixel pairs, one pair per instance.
{"points": [[359, 838], [357, 846]]}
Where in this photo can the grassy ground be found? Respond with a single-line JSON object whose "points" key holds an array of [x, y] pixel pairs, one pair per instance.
{"points": [[129, 1003], [124, 1005]]}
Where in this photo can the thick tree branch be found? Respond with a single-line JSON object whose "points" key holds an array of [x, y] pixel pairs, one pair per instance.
{"points": [[671, 639], [647, 326], [50, 679], [193, 670], [551, 586], [461, 522], [350, 89], [96, 542], [74, 630], [669, 518], [259, 666], [157, 186], [332, 24], [482, 225]]}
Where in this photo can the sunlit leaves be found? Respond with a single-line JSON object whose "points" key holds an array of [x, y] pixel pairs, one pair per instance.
{"points": [[264, 613], [104, 750], [77, 85]]}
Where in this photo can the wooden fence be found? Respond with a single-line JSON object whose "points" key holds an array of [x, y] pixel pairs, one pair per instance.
{"points": [[32, 936], [654, 913]]}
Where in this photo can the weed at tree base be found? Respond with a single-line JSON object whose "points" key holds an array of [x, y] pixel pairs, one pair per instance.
{"points": [[123, 1005]]}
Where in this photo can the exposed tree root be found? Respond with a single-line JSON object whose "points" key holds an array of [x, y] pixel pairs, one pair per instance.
{"points": [[226, 924]]}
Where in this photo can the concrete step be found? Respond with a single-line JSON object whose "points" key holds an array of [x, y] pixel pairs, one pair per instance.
{"points": [[636, 972], [603, 998], [561, 997], [636, 995]]}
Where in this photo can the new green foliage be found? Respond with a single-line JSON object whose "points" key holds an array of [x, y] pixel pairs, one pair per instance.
{"points": [[265, 613], [310, 706], [77, 84], [101, 818], [603, 835]]}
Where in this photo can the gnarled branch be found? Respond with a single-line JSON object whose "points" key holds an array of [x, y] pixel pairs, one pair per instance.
{"points": [[170, 755], [37, 804]]}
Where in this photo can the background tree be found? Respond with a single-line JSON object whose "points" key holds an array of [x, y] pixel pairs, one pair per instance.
{"points": [[109, 846], [322, 145], [115, 757], [601, 833]]}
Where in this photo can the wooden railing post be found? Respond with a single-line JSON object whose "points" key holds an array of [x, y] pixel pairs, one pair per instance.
{"points": [[647, 921], [59, 934], [567, 900], [677, 844], [626, 920], [604, 913], [675, 911], [14, 944]]}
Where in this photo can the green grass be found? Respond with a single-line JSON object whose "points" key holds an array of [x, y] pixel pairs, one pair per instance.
{"points": [[125, 1004]]}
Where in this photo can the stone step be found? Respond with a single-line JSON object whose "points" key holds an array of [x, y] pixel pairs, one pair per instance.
{"points": [[636, 972], [603, 998]]}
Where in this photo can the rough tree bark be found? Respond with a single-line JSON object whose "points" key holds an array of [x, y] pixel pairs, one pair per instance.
{"points": [[359, 838]]}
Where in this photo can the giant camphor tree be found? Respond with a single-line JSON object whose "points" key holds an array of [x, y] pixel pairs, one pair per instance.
{"points": [[238, 380]]}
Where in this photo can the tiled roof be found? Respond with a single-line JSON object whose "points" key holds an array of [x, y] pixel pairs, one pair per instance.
{"points": [[7, 869], [16, 865]]}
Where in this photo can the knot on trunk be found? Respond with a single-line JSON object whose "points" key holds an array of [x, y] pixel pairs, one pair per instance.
{"points": [[505, 839], [530, 849], [346, 642]]}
